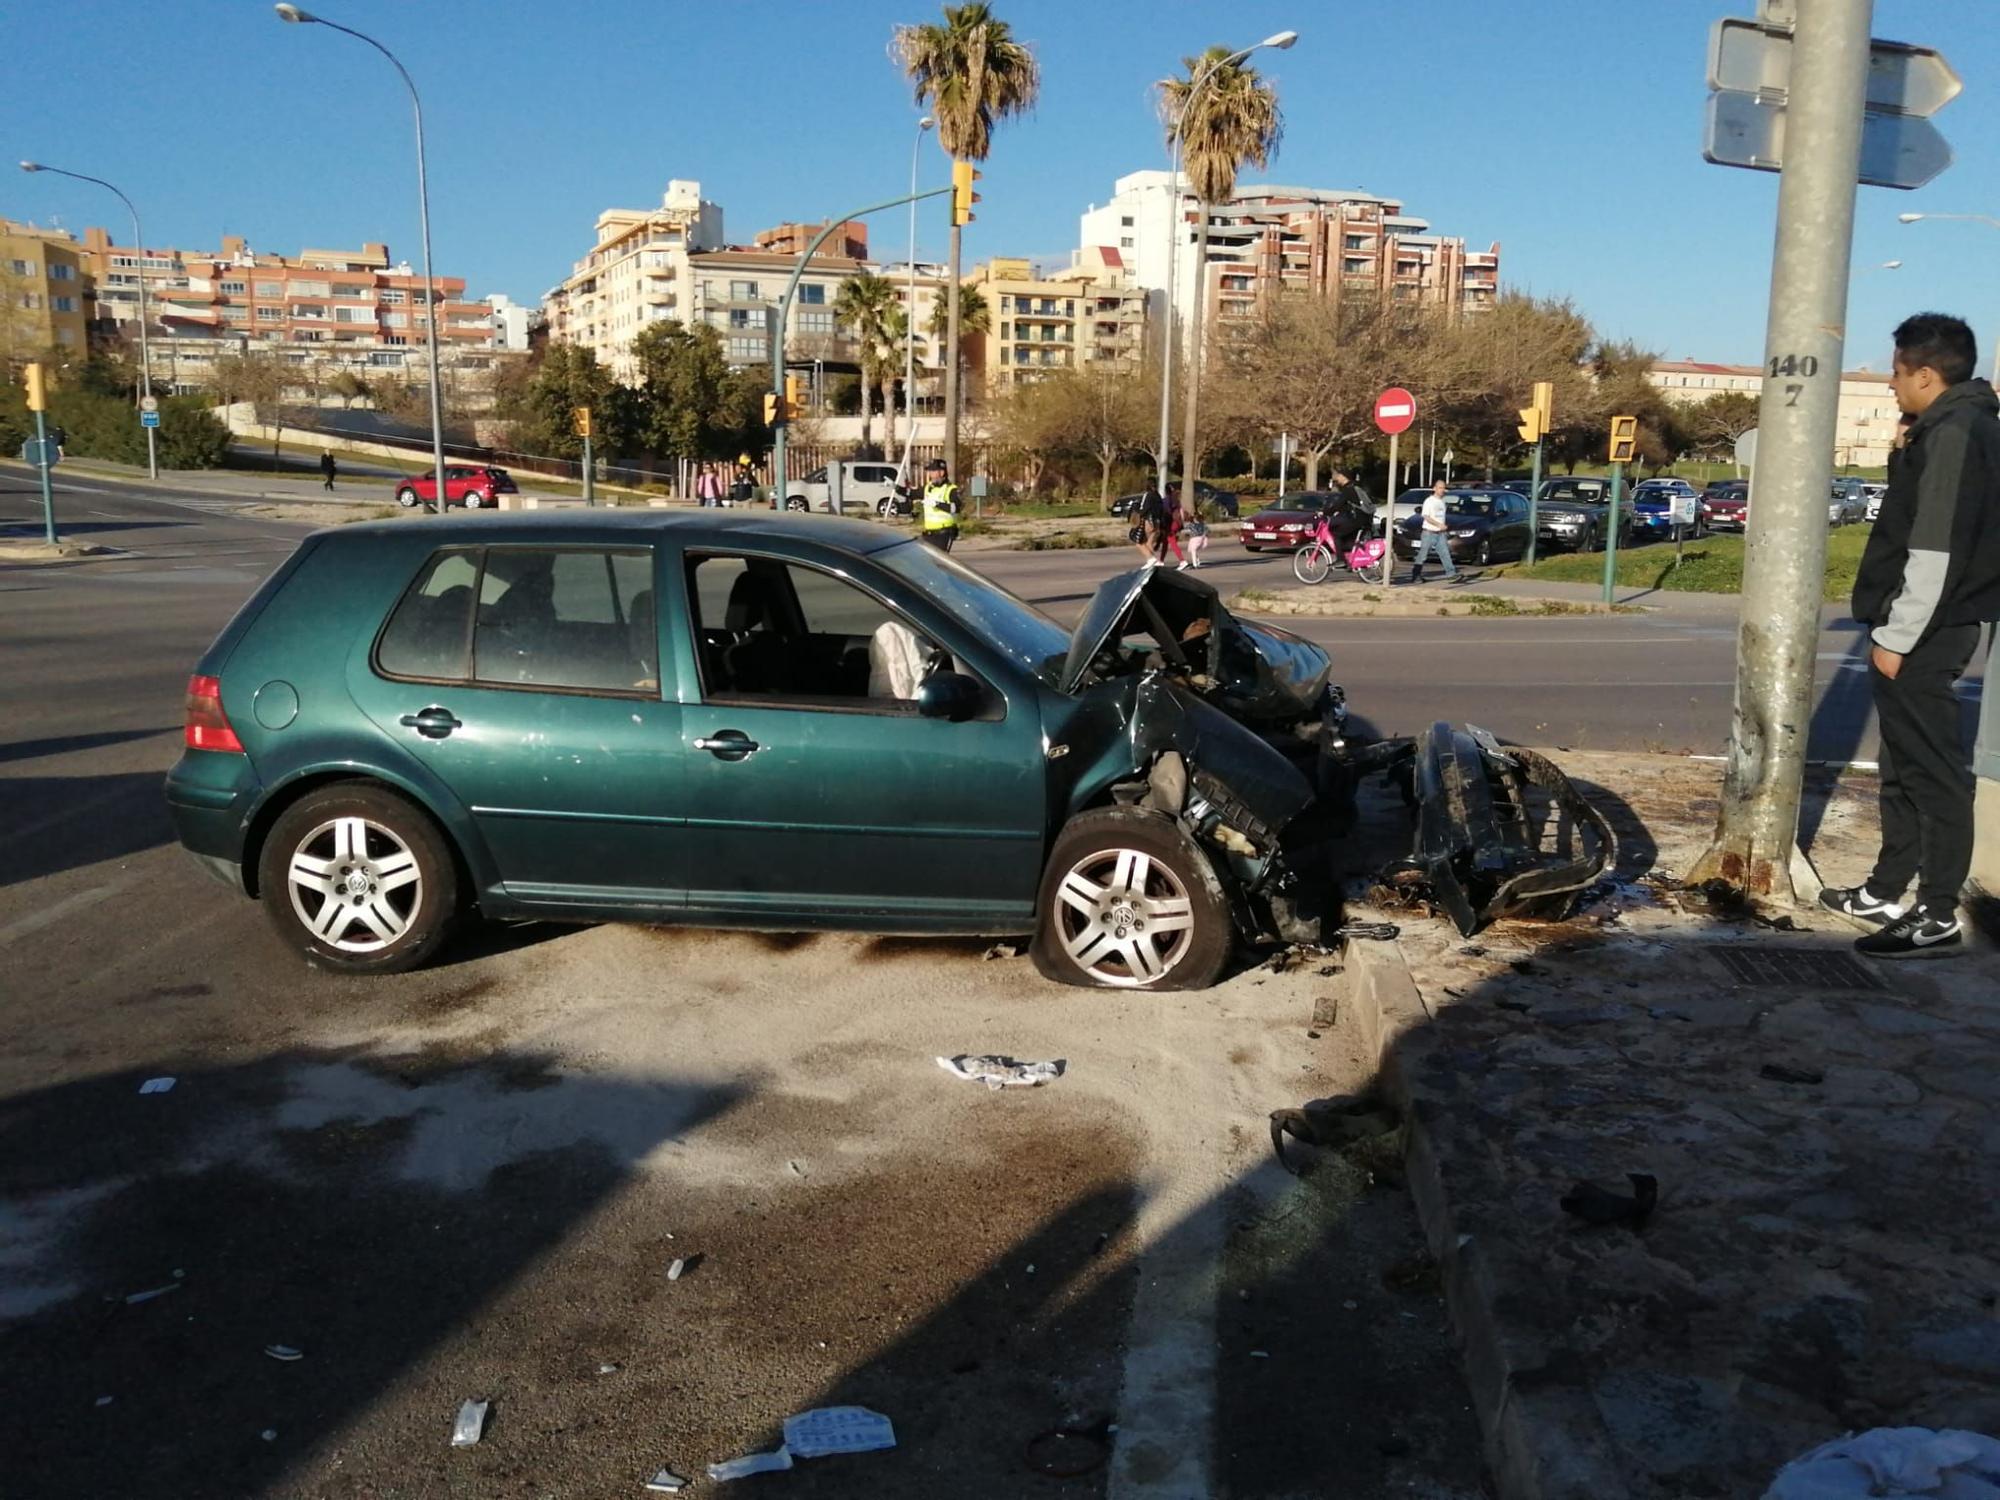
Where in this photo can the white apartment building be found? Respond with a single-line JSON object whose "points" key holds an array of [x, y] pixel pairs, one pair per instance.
{"points": [[1270, 237], [1866, 427], [637, 273], [511, 321]]}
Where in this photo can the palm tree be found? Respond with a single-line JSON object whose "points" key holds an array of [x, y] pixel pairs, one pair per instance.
{"points": [[968, 74], [973, 316], [863, 304], [887, 359], [1234, 122]]}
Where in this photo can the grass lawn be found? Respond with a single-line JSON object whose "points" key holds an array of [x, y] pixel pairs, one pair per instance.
{"points": [[1713, 565]]}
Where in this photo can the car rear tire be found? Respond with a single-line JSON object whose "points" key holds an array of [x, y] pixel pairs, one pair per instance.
{"points": [[406, 497], [1128, 901], [473, 499], [797, 503], [359, 880]]}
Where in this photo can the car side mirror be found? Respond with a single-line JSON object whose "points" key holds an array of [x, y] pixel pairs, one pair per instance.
{"points": [[949, 695]]}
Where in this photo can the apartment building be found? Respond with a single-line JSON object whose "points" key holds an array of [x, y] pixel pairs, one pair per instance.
{"points": [[636, 273], [43, 292], [736, 291], [1269, 239], [1042, 322], [513, 325], [1863, 434], [919, 297]]}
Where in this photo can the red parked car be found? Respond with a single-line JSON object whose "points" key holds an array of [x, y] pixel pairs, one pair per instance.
{"points": [[464, 484]]}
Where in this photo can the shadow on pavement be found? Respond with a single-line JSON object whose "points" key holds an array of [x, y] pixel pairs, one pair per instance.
{"points": [[325, 1201], [64, 744], [58, 823]]}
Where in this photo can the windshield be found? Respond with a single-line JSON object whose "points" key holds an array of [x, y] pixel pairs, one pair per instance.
{"points": [[1472, 505], [1022, 633]]}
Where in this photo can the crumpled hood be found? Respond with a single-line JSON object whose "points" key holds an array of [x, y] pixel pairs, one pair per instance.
{"points": [[1256, 671]]}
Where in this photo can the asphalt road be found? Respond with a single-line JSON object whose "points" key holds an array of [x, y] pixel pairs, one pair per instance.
{"points": [[469, 1182]]}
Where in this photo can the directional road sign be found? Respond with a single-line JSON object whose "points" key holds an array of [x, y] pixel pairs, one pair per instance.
{"points": [[1395, 410], [1749, 71], [149, 419]]}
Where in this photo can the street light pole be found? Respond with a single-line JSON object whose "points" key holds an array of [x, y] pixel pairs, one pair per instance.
{"points": [[145, 350], [910, 331], [297, 16], [1279, 42], [1987, 219]]}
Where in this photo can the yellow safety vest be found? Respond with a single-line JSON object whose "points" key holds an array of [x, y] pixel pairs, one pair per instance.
{"points": [[940, 506]]}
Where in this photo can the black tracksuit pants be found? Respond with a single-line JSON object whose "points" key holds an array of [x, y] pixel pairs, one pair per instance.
{"points": [[1927, 784]]}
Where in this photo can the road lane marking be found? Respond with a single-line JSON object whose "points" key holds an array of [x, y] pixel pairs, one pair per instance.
{"points": [[68, 906]]}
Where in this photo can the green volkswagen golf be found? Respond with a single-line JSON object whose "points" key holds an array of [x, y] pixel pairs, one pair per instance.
{"points": [[749, 720]]}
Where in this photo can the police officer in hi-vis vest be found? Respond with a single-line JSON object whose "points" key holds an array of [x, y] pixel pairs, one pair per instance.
{"points": [[940, 506]]}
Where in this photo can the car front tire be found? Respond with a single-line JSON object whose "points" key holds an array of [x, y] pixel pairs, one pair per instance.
{"points": [[796, 503], [1128, 901], [358, 880]]}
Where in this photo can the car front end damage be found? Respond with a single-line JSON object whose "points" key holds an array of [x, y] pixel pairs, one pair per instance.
{"points": [[1235, 732]]}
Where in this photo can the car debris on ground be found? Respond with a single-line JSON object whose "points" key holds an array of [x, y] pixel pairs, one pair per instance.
{"points": [[815, 1434], [997, 1071], [1894, 1461], [470, 1424], [1335, 1122], [284, 1353], [156, 1086], [667, 1482]]}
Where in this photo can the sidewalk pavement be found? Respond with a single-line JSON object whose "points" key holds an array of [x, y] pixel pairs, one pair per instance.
{"points": [[238, 484], [1825, 1133]]}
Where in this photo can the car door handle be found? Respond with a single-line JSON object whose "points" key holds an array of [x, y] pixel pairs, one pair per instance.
{"points": [[728, 744], [432, 723]]}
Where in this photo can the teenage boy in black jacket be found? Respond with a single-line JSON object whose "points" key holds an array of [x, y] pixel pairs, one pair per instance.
{"points": [[1929, 578]]}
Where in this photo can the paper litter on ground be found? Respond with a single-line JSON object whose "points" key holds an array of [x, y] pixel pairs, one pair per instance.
{"points": [[470, 1426], [838, 1429], [999, 1072]]}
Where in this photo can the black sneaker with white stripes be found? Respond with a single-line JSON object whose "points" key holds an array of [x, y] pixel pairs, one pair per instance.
{"points": [[1919, 933], [1855, 901]]}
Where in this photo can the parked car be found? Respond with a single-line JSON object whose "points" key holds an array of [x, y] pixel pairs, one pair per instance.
{"points": [[866, 488], [736, 718], [1482, 527], [1411, 501], [1211, 500], [1725, 505], [1571, 512], [1287, 525], [1653, 507], [1876, 493], [470, 485], [1519, 486], [1847, 502]]}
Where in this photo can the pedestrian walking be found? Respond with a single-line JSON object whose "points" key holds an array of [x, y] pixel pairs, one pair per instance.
{"points": [[1194, 536], [327, 469], [1434, 535], [1152, 523], [1171, 532], [941, 506], [708, 488], [1929, 578]]}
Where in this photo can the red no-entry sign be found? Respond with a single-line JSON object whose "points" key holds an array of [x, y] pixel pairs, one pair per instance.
{"points": [[1395, 410]]}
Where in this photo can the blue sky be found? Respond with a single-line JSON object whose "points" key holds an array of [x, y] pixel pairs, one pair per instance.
{"points": [[1569, 130]]}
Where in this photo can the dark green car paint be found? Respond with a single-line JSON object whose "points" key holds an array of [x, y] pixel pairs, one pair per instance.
{"points": [[587, 806]]}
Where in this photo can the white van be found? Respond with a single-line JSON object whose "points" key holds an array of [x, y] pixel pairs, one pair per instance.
{"points": [[867, 487]]}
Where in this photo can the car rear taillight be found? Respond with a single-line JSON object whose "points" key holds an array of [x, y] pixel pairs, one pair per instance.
{"points": [[207, 725]]}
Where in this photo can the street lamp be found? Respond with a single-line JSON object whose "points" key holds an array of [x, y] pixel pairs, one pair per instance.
{"points": [[145, 352], [1977, 219], [1278, 42], [910, 331], [300, 17]]}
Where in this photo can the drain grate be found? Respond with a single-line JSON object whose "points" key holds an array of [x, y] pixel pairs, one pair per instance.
{"points": [[1773, 968]]}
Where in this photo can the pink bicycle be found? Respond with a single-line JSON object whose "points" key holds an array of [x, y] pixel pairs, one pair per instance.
{"points": [[1312, 562]]}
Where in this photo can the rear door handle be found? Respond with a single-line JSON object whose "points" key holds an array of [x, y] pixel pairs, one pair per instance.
{"points": [[432, 723], [728, 744]]}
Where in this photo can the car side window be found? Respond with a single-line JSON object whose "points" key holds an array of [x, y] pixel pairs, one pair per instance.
{"points": [[776, 632], [429, 634], [570, 619]]}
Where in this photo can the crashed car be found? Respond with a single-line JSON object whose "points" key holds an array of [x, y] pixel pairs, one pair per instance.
{"points": [[733, 719]]}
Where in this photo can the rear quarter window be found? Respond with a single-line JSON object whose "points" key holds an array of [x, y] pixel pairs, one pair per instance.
{"points": [[430, 633]]}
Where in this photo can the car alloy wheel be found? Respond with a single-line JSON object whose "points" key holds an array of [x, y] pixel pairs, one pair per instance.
{"points": [[406, 497], [358, 879], [797, 502], [473, 499], [1484, 555], [1129, 901], [354, 884]]}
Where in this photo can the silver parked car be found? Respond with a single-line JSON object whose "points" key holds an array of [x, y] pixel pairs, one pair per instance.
{"points": [[1847, 503]]}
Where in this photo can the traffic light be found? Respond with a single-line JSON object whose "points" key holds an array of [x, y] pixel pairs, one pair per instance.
{"points": [[795, 394], [38, 394], [1624, 439], [1535, 418], [581, 416], [770, 408], [963, 175]]}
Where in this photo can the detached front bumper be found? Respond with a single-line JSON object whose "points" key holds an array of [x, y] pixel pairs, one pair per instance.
{"points": [[1500, 832]]}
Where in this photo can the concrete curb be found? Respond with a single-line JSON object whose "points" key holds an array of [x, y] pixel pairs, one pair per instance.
{"points": [[1545, 1439], [1428, 606]]}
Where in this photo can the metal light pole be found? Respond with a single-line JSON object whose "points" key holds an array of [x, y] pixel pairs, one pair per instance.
{"points": [[297, 16], [1784, 565], [910, 332], [145, 350], [1279, 42], [1976, 219]]}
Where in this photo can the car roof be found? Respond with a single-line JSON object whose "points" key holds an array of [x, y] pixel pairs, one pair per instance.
{"points": [[629, 526]]}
